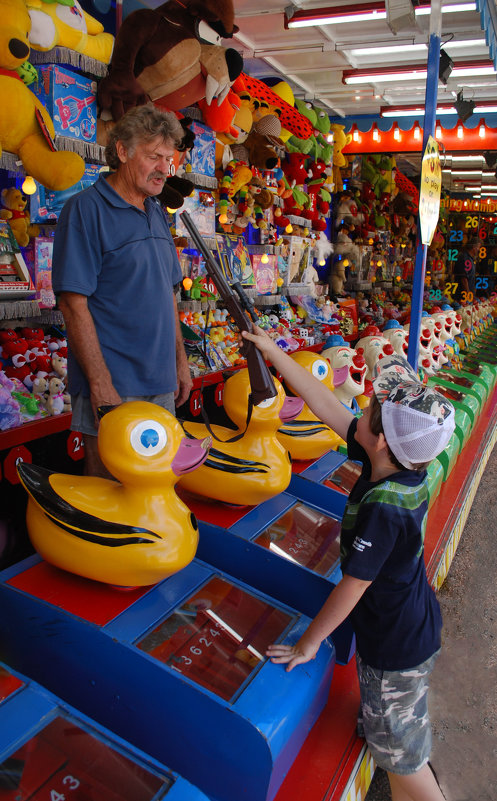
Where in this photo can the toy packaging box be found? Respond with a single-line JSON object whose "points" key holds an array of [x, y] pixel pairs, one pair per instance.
{"points": [[200, 207], [203, 153], [235, 259], [43, 247], [70, 99], [46, 205], [266, 274], [15, 281]]}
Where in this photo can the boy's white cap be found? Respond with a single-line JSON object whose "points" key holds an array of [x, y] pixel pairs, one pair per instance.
{"points": [[418, 421]]}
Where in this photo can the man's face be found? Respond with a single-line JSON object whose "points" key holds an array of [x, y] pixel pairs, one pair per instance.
{"points": [[148, 165]]}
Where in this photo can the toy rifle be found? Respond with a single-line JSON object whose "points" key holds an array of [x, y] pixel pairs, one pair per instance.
{"points": [[239, 306]]}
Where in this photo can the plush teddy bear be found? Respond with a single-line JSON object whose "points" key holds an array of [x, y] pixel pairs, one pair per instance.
{"points": [[337, 277], [25, 125], [159, 56], [57, 400], [15, 213], [65, 24]]}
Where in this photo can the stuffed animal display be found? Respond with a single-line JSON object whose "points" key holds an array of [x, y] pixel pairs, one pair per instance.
{"points": [[57, 24], [160, 56], [15, 212], [26, 128]]}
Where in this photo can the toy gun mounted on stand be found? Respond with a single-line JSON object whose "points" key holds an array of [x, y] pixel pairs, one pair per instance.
{"points": [[239, 306]]}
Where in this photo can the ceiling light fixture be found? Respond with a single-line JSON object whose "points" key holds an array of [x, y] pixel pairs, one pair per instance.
{"points": [[482, 131], [445, 67], [413, 73], [460, 132], [438, 132], [464, 108], [442, 109], [363, 12], [417, 132]]}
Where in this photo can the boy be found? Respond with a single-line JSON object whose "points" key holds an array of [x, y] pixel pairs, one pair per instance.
{"points": [[384, 588]]}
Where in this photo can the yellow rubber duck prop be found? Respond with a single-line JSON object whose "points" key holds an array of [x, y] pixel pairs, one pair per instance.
{"points": [[134, 531], [255, 467], [307, 437]]}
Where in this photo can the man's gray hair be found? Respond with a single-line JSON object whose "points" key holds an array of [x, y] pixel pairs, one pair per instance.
{"points": [[142, 124]]}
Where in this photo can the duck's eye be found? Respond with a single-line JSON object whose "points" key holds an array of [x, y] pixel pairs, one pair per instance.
{"points": [[320, 369], [148, 438], [267, 403]]}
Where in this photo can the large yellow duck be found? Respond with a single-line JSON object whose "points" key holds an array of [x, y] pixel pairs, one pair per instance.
{"points": [[255, 467], [131, 532], [307, 437]]}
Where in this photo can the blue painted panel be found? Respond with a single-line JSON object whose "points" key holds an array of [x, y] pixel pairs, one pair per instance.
{"points": [[175, 721]]}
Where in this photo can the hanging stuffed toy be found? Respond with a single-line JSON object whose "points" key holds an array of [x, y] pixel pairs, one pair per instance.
{"points": [[26, 128], [172, 55], [65, 24]]}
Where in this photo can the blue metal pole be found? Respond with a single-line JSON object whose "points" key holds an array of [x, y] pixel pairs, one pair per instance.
{"points": [[428, 130]]}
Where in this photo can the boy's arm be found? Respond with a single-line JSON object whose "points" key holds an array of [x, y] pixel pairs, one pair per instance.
{"points": [[320, 400], [340, 603]]}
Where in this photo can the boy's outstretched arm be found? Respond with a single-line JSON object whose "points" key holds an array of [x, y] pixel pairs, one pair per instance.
{"points": [[323, 403], [340, 603]]}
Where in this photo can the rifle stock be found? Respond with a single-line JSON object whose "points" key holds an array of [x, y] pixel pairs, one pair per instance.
{"points": [[261, 379]]}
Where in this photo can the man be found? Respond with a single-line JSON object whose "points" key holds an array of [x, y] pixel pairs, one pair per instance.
{"points": [[465, 272], [115, 267]]}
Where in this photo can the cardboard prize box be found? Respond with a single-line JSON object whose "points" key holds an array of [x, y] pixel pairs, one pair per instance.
{"points": [[43, 248], [200, 207], [45, 204], [70, 99], [15, 281], [202, 156]]}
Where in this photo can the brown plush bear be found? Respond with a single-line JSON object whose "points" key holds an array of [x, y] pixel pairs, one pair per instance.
{"points": [[172, 56], [15, 213]]}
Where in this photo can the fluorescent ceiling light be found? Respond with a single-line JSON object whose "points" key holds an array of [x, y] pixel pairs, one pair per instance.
{"points": [[375, 51], [467, 173], [415, 111], [363, 12], [412, 73], [465, 158], [453, 44], [488, 186], [385, 77]]}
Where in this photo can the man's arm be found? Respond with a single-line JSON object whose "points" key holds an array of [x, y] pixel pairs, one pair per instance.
{"points": [[185, 382], [320, 400], [84, 344], [340, 603]]}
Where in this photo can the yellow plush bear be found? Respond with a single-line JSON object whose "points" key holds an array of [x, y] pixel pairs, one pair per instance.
{"points": [[15, 213], [67, 25], [25, 125]]}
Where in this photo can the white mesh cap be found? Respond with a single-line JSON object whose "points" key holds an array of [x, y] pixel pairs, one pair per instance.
{"points": [[418, 421]]}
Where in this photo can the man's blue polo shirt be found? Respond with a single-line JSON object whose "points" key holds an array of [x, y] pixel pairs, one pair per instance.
{"points": [[124, 260]]}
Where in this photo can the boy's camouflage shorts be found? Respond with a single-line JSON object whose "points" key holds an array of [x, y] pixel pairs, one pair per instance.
{"points": [[394, 715]]}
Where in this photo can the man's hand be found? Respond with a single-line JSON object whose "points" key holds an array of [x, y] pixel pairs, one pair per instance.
{"points": [[107, 397], [185, 383], [294, 655]]}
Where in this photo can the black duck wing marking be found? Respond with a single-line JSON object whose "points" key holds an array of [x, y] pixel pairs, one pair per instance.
{"points": [[36, 481]]}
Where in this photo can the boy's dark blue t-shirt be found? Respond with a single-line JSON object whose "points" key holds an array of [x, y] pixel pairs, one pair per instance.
{"points": [[397, 621]]}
